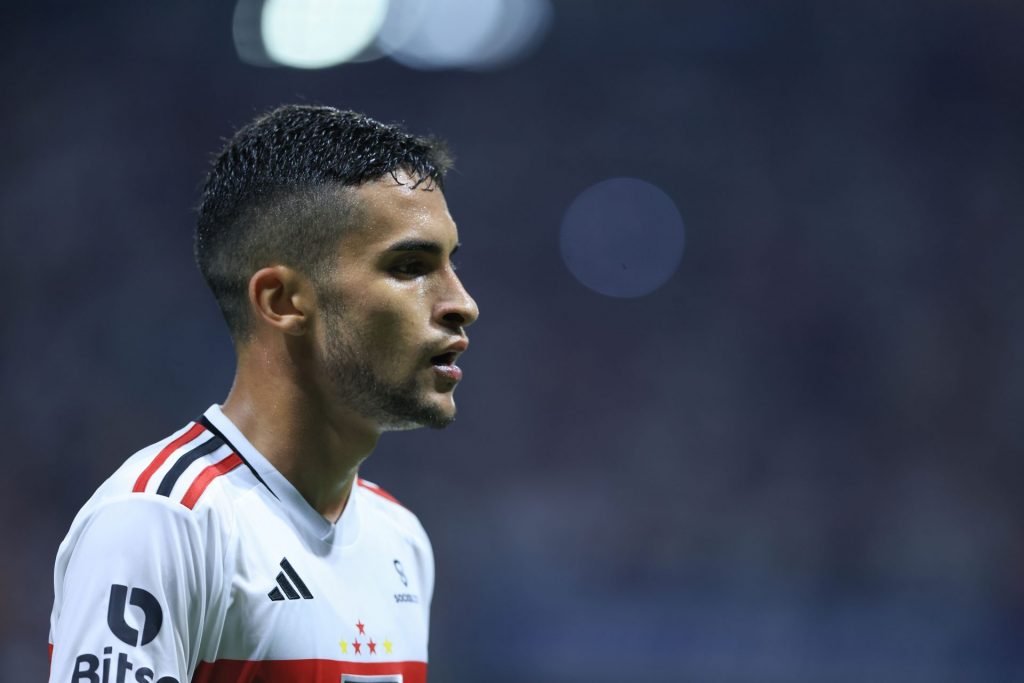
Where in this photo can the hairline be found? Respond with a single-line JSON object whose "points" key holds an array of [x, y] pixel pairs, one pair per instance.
{"points": [[350, 206]]}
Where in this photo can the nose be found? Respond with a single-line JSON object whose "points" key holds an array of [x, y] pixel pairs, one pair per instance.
{"points": [[457, 309]]}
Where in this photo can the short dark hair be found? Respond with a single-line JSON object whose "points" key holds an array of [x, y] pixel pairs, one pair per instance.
{"points": [[268, 199]]}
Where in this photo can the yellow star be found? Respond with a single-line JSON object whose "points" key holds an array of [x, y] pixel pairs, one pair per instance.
{"points": [[344, 647], [387, 645]]}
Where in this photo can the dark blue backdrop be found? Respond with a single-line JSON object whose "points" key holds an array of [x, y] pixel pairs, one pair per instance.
{"points": [[799, 460]]}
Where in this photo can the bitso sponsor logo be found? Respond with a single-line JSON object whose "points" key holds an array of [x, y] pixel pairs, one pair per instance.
{"points": [[152, 615], [108, 668], [93, 669]]}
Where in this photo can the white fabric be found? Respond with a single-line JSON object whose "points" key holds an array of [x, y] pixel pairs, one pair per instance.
{"points": [[211, 570]]}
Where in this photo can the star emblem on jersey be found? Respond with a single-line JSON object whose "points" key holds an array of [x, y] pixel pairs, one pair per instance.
{"points": [[365, 647], [289, 585]]}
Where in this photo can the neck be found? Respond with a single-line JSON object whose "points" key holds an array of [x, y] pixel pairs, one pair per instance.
{"points": [[287, 419]]}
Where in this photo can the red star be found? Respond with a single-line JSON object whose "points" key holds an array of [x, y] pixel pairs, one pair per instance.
{"points": [[373, 647], [356, 645], [361, 626]]}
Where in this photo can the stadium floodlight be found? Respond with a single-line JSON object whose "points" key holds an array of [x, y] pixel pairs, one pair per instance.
{"points": [[462, 34], [315, 34]]}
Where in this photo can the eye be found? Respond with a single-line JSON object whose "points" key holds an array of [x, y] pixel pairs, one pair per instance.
{"points": [[410, 269]]}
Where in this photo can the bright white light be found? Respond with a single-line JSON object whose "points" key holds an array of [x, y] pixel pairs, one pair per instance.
{"points": [[313, 34], [245, 29], [622, 237], [523, 25], [472, 34], [401, 23], [444, 33]]}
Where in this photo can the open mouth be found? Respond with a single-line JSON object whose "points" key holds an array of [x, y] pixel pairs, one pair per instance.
{"points": [[444, 359]]}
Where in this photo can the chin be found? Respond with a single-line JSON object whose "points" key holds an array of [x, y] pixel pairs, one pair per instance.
{"points": [[433, 415], [431, 422]]}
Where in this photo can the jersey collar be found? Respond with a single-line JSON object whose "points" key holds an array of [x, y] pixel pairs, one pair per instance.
{"points": [[343, 532]]}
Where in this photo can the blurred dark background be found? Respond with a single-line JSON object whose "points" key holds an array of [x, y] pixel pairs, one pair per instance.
{"points": [[797, 460]]}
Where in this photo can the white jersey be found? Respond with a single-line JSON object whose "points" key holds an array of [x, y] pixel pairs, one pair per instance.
{"points": [[198, 561]]}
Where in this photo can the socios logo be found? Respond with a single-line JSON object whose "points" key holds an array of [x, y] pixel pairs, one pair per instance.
{"points": [[401, 572], [152, 615]]}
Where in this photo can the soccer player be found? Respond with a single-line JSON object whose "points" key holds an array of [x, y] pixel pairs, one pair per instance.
{"points": [[245, 547]]}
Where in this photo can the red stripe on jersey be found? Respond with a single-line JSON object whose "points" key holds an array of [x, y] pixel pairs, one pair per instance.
{"points": [[206, 476], [309, 670], [370, 486], [165, 452]]}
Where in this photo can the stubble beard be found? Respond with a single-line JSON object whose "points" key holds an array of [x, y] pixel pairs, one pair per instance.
{"points": [[392, 405]]}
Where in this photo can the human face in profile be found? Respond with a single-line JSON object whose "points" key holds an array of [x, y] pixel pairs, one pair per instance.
{"points": [[394, 311]]}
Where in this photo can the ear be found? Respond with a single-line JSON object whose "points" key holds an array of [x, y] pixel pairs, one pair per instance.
{"points": [[281, 298]]}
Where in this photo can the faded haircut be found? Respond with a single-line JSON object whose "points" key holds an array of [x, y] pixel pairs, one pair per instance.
{"points": [[272, 196]]}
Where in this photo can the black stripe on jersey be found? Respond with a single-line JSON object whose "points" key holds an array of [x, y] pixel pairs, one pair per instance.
{"points": [[171, 478], [282, 581], [287, 567], [202, 419]]}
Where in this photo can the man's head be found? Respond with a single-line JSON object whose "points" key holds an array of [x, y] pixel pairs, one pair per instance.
{"points": [[326, 234], [271, 196]]}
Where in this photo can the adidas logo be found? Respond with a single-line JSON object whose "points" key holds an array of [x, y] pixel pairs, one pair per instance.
{"points": [[286, 589]]}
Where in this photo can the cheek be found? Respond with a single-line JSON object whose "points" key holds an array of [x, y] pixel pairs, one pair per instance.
{"points": [[388, 328], [389, 319]]}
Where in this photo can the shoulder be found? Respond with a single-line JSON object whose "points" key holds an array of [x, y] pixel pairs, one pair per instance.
{"points": [[385, 512], [137, 540], [378, 491], [184, 485], [168, 511], [387, 509], [117, 525], [194, 468]]}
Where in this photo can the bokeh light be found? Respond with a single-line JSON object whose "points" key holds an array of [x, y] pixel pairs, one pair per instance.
{"points": [[314, 34], [622, 237], [420, 34], [246, 33], [523, 24], [468, 34]]}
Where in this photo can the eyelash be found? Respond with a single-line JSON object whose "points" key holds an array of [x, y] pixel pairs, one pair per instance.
{"points": [[416, 268], [409, 268]]}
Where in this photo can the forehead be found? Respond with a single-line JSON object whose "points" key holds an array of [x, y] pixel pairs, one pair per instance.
{"points": [[390, 210]]}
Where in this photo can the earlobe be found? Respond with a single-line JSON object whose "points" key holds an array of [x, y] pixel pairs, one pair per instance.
{"points": [[276, 295]]}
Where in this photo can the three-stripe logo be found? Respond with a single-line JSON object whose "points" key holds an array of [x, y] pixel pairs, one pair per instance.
{"points": [[290, 590]]}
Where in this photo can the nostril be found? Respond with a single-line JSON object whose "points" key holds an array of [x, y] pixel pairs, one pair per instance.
{"points": [[454, 318]]}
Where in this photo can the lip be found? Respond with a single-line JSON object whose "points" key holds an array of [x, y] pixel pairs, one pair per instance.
{"points": [[452, 373], [454, 350], [446, 367], [457, 346]]}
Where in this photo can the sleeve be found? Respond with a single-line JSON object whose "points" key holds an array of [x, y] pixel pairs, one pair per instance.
{"points": [[425, 561], [134, 583], [427, 555]]}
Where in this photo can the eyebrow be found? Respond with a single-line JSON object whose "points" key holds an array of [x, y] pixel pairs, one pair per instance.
{"points": [[421, 245]]}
